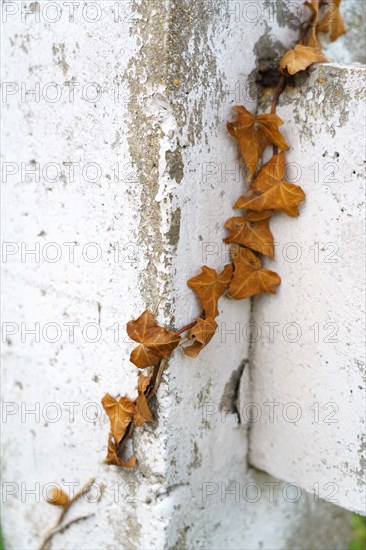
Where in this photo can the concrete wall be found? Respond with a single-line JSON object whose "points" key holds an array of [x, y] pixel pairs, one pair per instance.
{"points": [[142, 167], [308, 359]]}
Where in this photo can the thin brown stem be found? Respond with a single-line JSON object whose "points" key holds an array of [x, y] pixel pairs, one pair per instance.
{"points": [[283, 80], [278, 91], [308, 24], [60, 529], [187, 327]]}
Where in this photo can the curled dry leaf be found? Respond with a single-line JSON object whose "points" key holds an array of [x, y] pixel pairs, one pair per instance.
{"points": [[300, 58], [269, 192], [201, 333], [209, 286], [57, 497], [249, 278], [143, 384], [333, 23], [283, 196], [254, 133], [156, 342], [253, 234], [143, 413], [270, 173], [120, 414], [113, 458]]}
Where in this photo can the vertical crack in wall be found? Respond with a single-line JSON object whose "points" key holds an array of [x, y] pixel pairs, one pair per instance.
{"points": [[250, 377], [230, 397]]}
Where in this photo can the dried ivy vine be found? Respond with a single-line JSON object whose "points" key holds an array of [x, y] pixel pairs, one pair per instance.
{"points": [[251, 240], [249, 235]]}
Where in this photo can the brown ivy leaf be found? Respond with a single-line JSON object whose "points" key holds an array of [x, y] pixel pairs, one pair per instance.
{"points": [[201, 333], [249, 277], [300, 58], [209, 286], [156, 342], [143, 384], [59, 498], [270, 173], [143, 413], [253, 234], [254, 134], [267, 195], [120, 414], [113, 458], [333, 22], [283, 196]]}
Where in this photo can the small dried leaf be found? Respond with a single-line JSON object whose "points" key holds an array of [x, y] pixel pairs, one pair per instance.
{"points": [[112, 457], [209, 286], [120, 414], [201, 333], [249, 277], [143, 383], [333, 22], [156, 342], [253, 234], [269, 192], [143, 413], [59, 498], [282, 196], [254, 134], [300, 58], [269, 124], [270, 173]]}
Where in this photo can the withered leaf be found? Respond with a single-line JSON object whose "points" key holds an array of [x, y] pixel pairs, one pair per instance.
{"points": [[270, 173], [201, 333], [143, 384], [254, 134], [156, 342], [283, 196], [113, 458], [209, 286], [57, 497], [300, 58], [120, 414], [333, 22], [269, 192], [253, 234], [249, 278], [143, 413]]}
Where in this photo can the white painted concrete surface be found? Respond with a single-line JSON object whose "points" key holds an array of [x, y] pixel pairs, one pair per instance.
{"points": [[310, 361], [154, 205]]}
